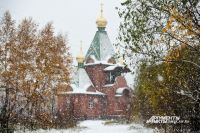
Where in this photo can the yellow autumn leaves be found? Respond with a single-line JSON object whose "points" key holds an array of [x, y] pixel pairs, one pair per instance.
{"points": [[169, 24], [181, 27]]}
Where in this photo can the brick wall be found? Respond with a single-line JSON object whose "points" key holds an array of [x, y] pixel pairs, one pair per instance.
{"points": [[109, 105]]}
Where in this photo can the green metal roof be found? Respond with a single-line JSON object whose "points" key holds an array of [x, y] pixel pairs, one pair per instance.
{"points": [[101, 47]]}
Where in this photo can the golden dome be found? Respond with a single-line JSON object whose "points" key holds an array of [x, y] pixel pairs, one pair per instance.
{"points": [[80, 57], [101, 21]]}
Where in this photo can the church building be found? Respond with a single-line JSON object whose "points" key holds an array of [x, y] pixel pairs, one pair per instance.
{"points": [[99, 88]]}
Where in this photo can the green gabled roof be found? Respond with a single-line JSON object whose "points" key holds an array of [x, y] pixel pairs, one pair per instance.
{"points": [[94, 47], [101, 47]]}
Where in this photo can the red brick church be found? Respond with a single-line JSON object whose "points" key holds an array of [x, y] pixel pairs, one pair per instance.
{"points": [[99, 88]]}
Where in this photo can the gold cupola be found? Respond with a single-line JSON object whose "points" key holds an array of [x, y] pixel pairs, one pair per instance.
{"points": [[80, 57], [101, 21]]}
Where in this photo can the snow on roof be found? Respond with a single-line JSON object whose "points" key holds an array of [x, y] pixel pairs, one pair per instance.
{"points": [[104, 62], [108, 57], [120, 90], [83, 79], [106, 47], [110, 68], [73, 86], [129, 79], [113, 67], [85, 92], [118, 95], [108, 85], [98, 62], [77, 90], [74, 75], [83, 83]]}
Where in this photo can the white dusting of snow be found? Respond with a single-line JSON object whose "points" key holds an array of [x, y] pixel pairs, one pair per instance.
{"points": [[110, 68], [118, 95], [98, 62], [182, 92], [113, 67], [99, 126], [86, 86], [108, 85], [83, 83], [83, 92], [108, 57], [74, 86], [120, 90], [160, 78], [84, 80], [106, 48], [129, 79], [78, 90]]}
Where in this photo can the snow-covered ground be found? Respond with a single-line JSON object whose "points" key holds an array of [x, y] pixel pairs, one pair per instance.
{"points": [[99, 126]]}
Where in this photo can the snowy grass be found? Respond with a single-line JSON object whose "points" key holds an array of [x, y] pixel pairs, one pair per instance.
{"points": [[99, 126], [115, 122]]}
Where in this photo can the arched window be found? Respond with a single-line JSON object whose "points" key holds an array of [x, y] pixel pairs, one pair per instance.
{"points": [[91, 104], [68, 103], [126, 93]]}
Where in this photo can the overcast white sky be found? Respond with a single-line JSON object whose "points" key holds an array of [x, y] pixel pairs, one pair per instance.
{"points": [[76, 18]]}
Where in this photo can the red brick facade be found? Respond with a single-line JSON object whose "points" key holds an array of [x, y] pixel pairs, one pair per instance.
{"points": [[109, 105], [101, 90]]}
